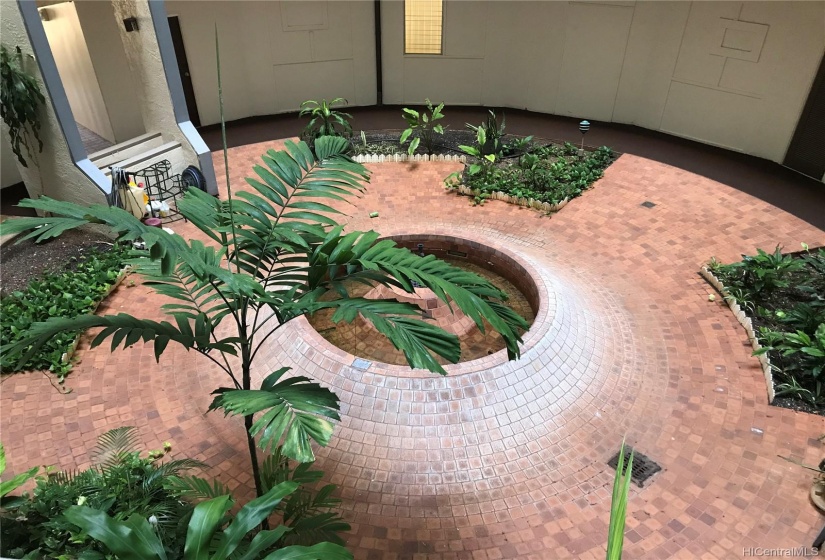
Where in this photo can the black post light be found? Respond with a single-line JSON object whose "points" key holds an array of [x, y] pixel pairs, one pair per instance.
{"points": [[584, 126]]}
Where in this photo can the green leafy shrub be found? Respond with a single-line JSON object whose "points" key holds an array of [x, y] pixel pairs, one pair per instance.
{"points": [[484, 167], [324, 120], [121, 483], [211, 534], [518, 146], [79, 514], [785, 297], [763, 271], [493, 132], [798, 356], [68, 293], [547, 174], [423, 126]]}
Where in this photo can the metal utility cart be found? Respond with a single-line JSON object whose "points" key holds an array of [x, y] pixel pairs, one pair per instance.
{"points": [[161, 186]]}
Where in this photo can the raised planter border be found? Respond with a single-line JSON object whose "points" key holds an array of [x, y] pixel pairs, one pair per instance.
{"points": [[70, 352], [400, 158], [746, 322]]}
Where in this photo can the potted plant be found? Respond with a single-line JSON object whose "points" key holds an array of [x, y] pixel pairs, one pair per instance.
{"points": [[20, 99]]}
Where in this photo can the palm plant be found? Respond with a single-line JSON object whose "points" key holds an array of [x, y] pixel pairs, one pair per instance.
{"points": [[324, 120], [272, 253]]}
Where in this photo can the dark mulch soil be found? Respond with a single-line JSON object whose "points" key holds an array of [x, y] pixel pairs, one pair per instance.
{"points": [[797, 405], [25, 261]]}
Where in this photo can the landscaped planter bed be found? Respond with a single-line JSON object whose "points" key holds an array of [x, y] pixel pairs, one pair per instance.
{"points": [[78, 288], [780, 301], [556, 174]]}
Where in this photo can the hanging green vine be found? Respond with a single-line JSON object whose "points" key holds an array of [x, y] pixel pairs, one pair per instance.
{"points": [[20, 97]]}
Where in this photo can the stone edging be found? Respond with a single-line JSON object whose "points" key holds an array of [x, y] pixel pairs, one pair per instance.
{"points": [[528, 202], [398, 158], [746, 322], [67, 355]]}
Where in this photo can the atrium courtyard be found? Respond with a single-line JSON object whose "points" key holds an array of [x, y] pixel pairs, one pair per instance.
{"points": [[503, 459]]}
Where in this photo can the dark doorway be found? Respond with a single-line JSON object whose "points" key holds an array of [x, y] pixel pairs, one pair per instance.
{"points": [[183, 67], [806, 153]]}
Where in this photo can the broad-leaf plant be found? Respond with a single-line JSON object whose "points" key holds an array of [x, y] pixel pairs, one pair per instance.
{"points": [[20, 100]]}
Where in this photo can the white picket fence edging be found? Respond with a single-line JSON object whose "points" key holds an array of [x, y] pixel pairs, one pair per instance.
{"points": [[400, 158], [504, 197], [746, 322]]}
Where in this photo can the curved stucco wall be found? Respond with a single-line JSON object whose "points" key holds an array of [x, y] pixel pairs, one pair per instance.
{"points": [[274, 55], [732, 74]]}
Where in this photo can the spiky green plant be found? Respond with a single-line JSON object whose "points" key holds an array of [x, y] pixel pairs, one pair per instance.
{"points": [[618, 506]]}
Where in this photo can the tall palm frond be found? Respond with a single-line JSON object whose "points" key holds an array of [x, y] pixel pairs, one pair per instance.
{"points": [[195, 488]]}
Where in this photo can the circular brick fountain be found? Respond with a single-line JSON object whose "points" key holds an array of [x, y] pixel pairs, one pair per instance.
{"points": [[502, 269]]}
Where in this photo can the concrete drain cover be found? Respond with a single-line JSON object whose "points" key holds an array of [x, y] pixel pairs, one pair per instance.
{"points": [[642, 469]]}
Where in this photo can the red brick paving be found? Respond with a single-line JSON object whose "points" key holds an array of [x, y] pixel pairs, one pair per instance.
{"points": [[508, 459]]}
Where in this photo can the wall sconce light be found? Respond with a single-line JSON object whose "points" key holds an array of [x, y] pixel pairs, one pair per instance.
{"points": [[131, 24], [45, 14]]}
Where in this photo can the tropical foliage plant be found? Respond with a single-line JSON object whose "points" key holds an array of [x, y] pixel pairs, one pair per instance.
{"points": [[423, 126], [324, 120], [20, 101], [493, 133], [138, 507], [266, 256], [784, 295], [764, 272], [482, 165], [211, 534], [121, 483], [66, 293]]}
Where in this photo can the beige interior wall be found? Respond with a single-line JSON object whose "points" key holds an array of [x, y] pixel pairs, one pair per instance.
{"points": [[733, 74], [9, 175], [274, 55], [55, 174], [68, 45], [117, 84]]}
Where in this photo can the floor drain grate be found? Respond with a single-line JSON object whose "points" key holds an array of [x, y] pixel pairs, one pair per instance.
{"points": [[361, 363], [648, 204], [643, 466]]}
